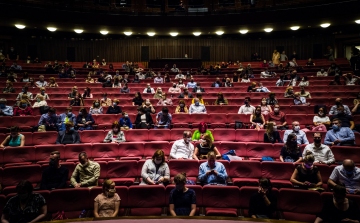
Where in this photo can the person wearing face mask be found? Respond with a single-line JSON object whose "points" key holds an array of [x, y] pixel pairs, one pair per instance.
{"points": [[23, 109], [306, 175], [164, 101], [182, 200], [158, 79], [289, 92], [163, 119], [73, 92], [108, 83], [87, 171], [158, 94], [4, 109], [180, 76], [182, 148], [42, 93], [271, 100], [125, 89], [25, 206], [322, 153], [303, 93], [198, 89], [272, 135], [186, 94], [155, 170], [334, 109], [174, 89], [217, 83], [246, 108], [263, 203], [257, 120], [149, 90], [149, 108], [346, 120], [356, 109], [15, 139], [321, 120], [55, 175], [181, 108], [65, 117], [125, 122], [191, 83], [15, 66], [301, 136], [304, 82], [265, 108], [201, 131], [340, 136], [107, 203], [299, 100], [350, 79], [69, 135], [278, 117], [24, 92], [181, 84], [261, 88], [221, 100], [84, 121], [115, 135], [49, 120], [8, 88], [41, 82], [77, 101], [291, 152], [347, 174], [12, 54], [105, 101], [212, 172], [227, 83], [114, 108], [322, 73], [204, 147], [143, 119], [96, 108], [197, 107]]}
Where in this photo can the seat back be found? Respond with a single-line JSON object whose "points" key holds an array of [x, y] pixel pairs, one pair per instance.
{"points": [[190, 167], [221, 196]]}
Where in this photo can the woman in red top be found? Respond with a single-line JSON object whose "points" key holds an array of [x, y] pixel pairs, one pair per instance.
{"points": [[23, 109]]}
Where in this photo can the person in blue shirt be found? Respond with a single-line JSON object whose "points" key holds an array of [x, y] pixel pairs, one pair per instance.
{"points": [[212, 172], [163, 119], [49, 120], [191, 84], [340, 136], [182, 200], [66, 117], [84, 120], [125, 122], [301, 136]]}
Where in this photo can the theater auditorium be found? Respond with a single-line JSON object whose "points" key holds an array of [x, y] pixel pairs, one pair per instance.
{"points": [[179, 110]]}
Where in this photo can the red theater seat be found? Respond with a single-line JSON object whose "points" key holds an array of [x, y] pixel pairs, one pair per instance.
{"points": [[278, 172], [221, 200], [190, 167], [136, 135], [151, 147], [299, 205], [238, 147], [245, 172], [69, 165], [105, 120], [42, 152], [123, 172], [44, 138], [258, 150], [71, 151], [92, 136], [218, 120], [343, 152], [176, 134], [122, 191], [105, 151], [146, 200], [25, 123], [14, 156], [131, 150], [247, 135], [159, 135], [224, 135]]}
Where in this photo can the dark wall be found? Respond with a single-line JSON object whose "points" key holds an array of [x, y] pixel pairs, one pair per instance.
{"points": [[221, 49]]}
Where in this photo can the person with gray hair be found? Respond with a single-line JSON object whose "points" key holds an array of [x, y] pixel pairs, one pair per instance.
{"points": [[182, 148], [348, 175]]}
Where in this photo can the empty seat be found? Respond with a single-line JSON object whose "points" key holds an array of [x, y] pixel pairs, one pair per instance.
{"points": [[151, 147], [42, 152], [92, 136], [245, 172], [247, 135], [224, 135], [221, 200], [278, 172], [105, 151], [25, 123], [19, 155], [258, 150], [344, 152], [176, 134], [122, 172], [136, 135], [219, 119], [131, 150], [44, 138], [190, 167], [146, 200], [159, 135], [238, 147]]}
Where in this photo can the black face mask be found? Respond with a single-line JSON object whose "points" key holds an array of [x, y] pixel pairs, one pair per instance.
{"points": [[52, 163], [338, 103], [317, 141]]}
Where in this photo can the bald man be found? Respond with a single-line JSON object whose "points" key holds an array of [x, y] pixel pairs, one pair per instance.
{"points": [[347, 174]]}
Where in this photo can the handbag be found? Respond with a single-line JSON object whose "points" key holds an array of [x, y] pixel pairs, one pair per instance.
{"points": [[239, 125], [41, 128]]}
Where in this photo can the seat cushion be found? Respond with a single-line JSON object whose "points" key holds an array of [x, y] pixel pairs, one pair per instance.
{"points": [[221, 212], [245, 182]]}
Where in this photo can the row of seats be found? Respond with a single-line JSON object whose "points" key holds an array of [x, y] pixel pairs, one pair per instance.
{"points": [[292, 205]]}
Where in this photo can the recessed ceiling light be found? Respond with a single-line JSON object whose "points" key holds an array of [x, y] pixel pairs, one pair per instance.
{"points": [[52, 29], [78, 30], [19, 26], [268, 30], [219, 32], [244, 31], [325, 25], [197, 33], [295, 27], [151, 34], [128, 33], [174, 34], [104, 32], [357, 21]]}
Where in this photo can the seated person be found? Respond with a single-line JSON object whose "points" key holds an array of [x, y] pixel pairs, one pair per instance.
{"points": [[200, 97], [164, 101], [87, 93], [338, 208], [125, 88], [42, 93], [304, 93], [15, 139], [77, 101], [252, 87], [55, 175], [84, 121], [355, 110], [105, 101], [306, 175], [322, 153], [204, 147], [340, 136], [271, 100], [23, 109], [351, 79], [197, 108], [40, 102], [212, 172], [246, 108], [181, 84], [300, 134], [24, 92], [73, 92], [246, 79], [266, 73], [155, 170], [158, 79], [143, 119], [182, 200], [334, 109], [9, 87], [291, 152], [149, 90], [107, 203], [191, 84], [198, 89], [65, 117], [174, 89], [228, 83], [272, 135], [181, 108], [125, 122], [289, 92], [89, 80], [115, 135], [163, 119], [186, 94], [310, 62], [346, 120], [96, 108], [49, 120], [217, 83], [321, 120], [86, 171], [69, 135], [158, 93], [278, 117], [265, 108], [261, 88], [263, 203], [221, 100], [114, 108], [257, 120], [52, 82], [299, 100], [322, 73], [182, 148], [347, 175], [25, 206], [149, 108], [201, 131], [137, 100], [304, 82], [5, 110]]}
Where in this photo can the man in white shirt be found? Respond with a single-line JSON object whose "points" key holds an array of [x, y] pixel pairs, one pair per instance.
{"points": [[141, 76], [322, 73], [300, 134], [191, 84], [197, 107], [180, 76], [321, 152], [174, 68], [158, 79], [246, 108], [149, 90], [41, 82], [182, 148], [267, 73], [174, 89]]}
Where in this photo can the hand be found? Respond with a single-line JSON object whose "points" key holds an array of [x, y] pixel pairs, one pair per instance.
{"points": [[346, 220], [180, 158], [215, 172], [209, 173], [151, 182], [77, 185], [161, 180], [337, 141]]}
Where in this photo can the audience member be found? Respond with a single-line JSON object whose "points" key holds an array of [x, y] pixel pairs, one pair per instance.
{"points": [[40, 102], [346, 120], [8, 87], [265, 108], [347, 175], [221, 100], [289, 92], [191, 83], [149, 108], [301, 136], [86, 171], [24, 92], [23, 109], [90, 80], [49, 120], [158, 93], [15, 139], [306, 175], [115, 135], [197, 107], [227, 83], [336, 81], [137, 100], [322, 153], [321, 121], [84, 120], [263, 203], [163, 119], [201, 131], [107, 203], [73, 92], [105, 101], [116, 83], [310, 62], [96, 108], [5, 110], [55, 175], [304, 82], [204, 147], [41, 82], [278, 117], [65, 117], [257, 120], [174, 89], [25, 206], [143, 119], [186, 94], [291, 152], [155, 170], [181, 108], [252, 87], [114, 108], [42, 93], [182, 200], [355, 110], [125, 122], [164, 101], [303, 93], [69, 135], [212, 172], [125, 89], [322, 73], [149, 89], [299, 100], [158, 79], [246, 108], [350, 79], [261, 88], [217, 83], [334, 109], [182, 148], [272, 135], [339, 136], [198, 89], [77, 101], [271, 100], [180, 83]]}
